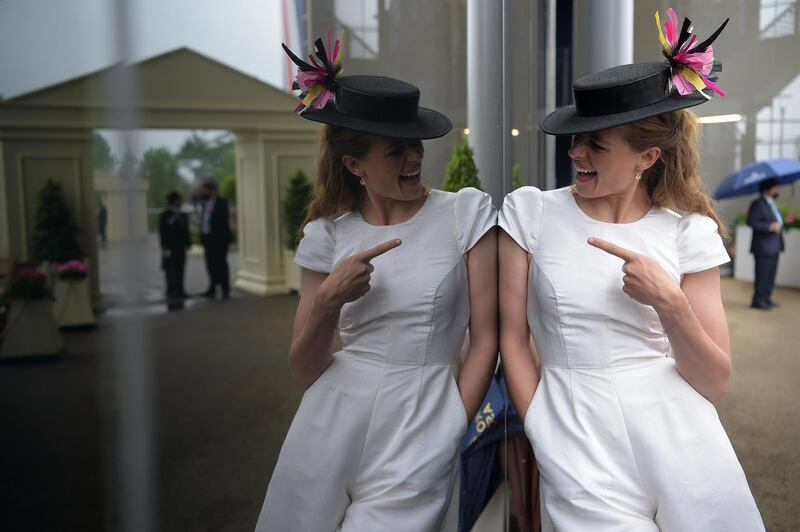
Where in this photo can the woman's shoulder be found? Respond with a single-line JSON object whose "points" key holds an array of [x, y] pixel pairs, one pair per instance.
{"points": [[682, 222], [465, 202], [463, 194], [533, 200]]}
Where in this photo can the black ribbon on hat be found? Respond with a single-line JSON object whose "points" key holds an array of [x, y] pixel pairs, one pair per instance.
{"points": [[376, 107], [621, 98]]}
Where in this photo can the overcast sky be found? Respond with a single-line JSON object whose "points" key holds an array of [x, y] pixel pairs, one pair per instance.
{"points": [[43, 42]]}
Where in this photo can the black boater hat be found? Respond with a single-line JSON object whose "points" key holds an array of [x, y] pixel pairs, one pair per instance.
{"points": [[617, 96], [381, 106], [627, 93], [371, 104]]}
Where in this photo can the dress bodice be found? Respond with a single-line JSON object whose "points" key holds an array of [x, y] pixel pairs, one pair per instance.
{"points": [[417, 309], [577, 311]]}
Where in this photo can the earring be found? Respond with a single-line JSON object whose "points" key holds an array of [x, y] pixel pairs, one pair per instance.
{"points": [[361, 181], [638, 175]]}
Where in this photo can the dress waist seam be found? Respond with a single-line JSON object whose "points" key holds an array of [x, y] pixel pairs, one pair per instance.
{"points": [[614, 367], [371, 358]]}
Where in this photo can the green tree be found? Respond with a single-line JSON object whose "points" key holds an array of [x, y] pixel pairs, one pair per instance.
{"points": [[54, 235], [128, 166], [102, 158], [516, 182], [208, 157], [228, 189], [298, 195], [160, 168], [227, 165], [461, 170]]}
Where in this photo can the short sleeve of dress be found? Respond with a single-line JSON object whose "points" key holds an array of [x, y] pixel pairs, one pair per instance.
{"points": [[473, 216], [521, 216], [315, 250], [699, 245]]}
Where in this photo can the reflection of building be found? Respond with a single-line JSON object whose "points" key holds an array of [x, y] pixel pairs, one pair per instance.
{"points": [[125, 201], [548, 43], [47, 134], [761, 78], [415, 40]]}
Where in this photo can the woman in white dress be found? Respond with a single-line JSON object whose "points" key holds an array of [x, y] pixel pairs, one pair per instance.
{"points": [[622, 298], [399, 271]]}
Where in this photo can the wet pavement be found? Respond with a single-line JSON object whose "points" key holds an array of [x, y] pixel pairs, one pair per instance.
{"points": [[207, 394]]}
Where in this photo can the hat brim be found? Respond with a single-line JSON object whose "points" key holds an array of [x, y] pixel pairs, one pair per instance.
{"points": [[567, 121], [429, 124]]}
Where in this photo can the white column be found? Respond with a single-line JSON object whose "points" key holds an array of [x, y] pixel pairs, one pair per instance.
{"points": [[603, 35], [485, 92], [126, 205], [265, 160]]}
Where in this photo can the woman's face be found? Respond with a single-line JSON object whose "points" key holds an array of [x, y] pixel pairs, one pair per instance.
{"points": [[391, 169], [605, 163]]}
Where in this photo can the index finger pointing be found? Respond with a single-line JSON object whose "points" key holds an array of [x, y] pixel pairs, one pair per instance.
{"points": [[608, 247], [380, 249]]}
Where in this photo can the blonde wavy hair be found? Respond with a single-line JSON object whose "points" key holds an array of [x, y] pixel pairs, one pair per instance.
{"points": [[674, 181]]}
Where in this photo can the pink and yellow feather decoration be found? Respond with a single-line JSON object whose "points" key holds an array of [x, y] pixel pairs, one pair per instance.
{"points": [[316, 80], [692, 65]]}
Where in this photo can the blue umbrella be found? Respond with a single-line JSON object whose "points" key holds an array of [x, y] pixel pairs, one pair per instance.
{"points": [[746, 181], [496, 421]]}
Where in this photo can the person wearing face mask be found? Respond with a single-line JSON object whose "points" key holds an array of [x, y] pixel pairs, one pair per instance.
{"points": [[399, 271], [767, 244], [621, 294]]}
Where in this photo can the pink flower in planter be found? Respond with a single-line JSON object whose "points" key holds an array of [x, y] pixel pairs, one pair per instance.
{"points": [[70, 270], [69, 267], [30, 273]]}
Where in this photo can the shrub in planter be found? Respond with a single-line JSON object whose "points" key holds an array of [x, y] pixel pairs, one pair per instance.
{"points": [[461, 170], [54, 236], [30, 328], [28, 284], [295, 205]]}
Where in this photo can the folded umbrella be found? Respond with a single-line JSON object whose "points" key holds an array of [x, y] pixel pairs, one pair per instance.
{"points": [[495, 422]]}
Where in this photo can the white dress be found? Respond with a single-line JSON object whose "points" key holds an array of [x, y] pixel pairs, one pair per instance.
{"points": [[373, 445], [622, 441]]}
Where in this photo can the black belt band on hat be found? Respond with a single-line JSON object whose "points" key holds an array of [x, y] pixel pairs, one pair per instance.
{"points": [[621, 98], [376, 108]]}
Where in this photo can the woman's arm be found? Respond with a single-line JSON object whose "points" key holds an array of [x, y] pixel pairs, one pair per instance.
{"points": [[699, 337], [698, 334], [519, 366], [314, 330], [481, 359], [322, 298]]}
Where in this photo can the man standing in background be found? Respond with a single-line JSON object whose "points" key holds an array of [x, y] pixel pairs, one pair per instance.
{"points": [[767, 244], [215, 233], [173, 232]]}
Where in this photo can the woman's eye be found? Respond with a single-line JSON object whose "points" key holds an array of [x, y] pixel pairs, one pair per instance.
{"points": [[396, 153], [597, 147]]}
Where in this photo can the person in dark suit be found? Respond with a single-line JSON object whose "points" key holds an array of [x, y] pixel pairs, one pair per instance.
{"points": [[173, 232], [215, 233], [767, 244], [102, 221]]}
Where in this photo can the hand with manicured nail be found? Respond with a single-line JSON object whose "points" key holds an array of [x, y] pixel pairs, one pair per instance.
{"points": [[644, 280], [350, 279]]}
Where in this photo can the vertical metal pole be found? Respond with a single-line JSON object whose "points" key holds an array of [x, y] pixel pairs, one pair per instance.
{"points": [[130, 358], [485, 93], [603, 35], [507, 32]]}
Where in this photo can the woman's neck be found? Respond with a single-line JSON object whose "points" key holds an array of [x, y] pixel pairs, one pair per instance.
{"points": [[626, 207], [388, 211]]}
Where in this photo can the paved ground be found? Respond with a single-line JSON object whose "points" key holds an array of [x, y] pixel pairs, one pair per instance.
{"points": [[219, 403]]}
